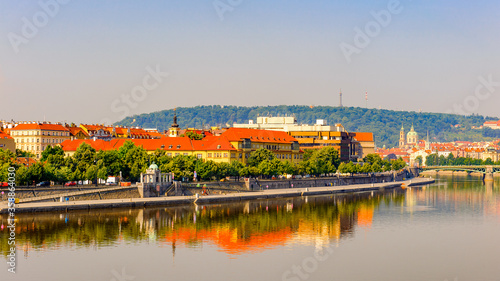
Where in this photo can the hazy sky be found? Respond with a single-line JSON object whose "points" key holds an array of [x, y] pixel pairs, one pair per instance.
{"points": [[91, 61]]}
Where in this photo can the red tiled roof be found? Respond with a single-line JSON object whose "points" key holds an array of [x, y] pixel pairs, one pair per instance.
{"points": [[212, 143], [4, 136], [169, 144], [75, 130], [46, 127], [237, 134]]}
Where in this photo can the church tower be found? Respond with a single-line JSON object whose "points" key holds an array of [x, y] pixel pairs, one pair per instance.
{"points": [[412, 137], [174, 129], [402, 140]]}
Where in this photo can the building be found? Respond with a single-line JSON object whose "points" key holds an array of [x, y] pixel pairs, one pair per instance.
{"points": [[495, 125], [174, 129], [35, 137], [77, 133], [7, 142], [316, 136], [232, 145], [412, 137], [217, 149], [96, 132], [282, 145], [364, 143], [402, 139]]}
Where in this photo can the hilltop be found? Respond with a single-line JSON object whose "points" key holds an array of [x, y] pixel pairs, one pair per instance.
{"points": [[385, 124]]}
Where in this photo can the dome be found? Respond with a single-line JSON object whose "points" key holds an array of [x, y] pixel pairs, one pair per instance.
{"points": [[153, 166]]}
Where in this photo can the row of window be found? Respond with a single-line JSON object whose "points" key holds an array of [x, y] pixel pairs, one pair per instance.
{"points": [[37, 133], [33, 140]]}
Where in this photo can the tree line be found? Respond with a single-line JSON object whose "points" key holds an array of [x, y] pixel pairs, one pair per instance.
{"points": [[450, 160], [130, 161], [384, 124]]}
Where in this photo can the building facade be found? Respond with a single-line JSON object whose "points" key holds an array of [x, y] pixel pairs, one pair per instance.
{"points": [[35, 137], [7, 142]]}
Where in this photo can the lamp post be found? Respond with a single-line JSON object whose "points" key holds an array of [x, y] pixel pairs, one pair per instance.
{"points": [[96, 178]]}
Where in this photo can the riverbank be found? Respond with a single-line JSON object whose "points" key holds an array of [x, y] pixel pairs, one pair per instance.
{"points": [[198, 199]]}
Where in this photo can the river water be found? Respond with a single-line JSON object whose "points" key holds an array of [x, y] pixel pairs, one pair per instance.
{"points": [[449, 230]]}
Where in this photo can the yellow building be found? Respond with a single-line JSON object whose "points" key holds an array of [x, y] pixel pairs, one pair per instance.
{"points": [[283, 146], [35, 137], [217, 149], [232, 145]]}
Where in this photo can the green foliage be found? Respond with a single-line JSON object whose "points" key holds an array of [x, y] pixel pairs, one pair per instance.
{"points": [[260, 155], [450, 160], [385, 124], [192, 135]]}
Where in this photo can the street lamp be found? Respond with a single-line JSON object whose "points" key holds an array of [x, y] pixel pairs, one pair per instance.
{"points": [[96, 178]]}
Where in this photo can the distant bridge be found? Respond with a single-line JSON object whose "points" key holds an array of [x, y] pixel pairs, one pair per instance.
{"points": [[485, 169]]}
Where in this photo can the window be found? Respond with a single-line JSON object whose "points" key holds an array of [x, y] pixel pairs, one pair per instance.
{"points": [[218, 146], [169, 154], [225, 155], [233, 155], [210, 155], [170, 146], [198, 156], [185, 153], [178, 146], [176, 154]]}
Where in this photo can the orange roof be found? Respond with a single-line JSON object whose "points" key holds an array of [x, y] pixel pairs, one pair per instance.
{"points": [[255, 135], [75, 130], [212, 143], [165, 143], [363, 136], [40, 126], [92, 127], [4, 136]]}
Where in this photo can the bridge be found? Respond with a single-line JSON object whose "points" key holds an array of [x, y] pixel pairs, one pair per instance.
{"points": [[486, 170]]}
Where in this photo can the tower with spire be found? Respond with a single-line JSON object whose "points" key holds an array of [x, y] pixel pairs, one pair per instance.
{"points": [[340, 96], [402, 139], [174, 129], [427, 143]]}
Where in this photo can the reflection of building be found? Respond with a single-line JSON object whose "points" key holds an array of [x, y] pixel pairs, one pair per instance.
{"points": [[35, 137]]}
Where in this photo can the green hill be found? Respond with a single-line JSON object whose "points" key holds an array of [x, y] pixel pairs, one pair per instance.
{"points": [[385, 124]]}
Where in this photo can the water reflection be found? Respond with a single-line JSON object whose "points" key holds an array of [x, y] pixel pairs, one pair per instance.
{"points": [[233, 228], [247, 227]]}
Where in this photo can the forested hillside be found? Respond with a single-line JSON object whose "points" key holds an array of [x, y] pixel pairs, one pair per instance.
{"points": [[385, 124]]}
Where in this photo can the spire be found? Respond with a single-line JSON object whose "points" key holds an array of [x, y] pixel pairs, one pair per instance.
{"points": [[175, 125], [412, 129]]}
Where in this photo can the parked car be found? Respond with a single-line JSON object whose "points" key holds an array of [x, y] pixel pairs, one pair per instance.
{"points": [[70, 183], [4, 184], [43, 183]]}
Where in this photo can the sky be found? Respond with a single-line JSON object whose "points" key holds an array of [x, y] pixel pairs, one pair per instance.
{"points": [[99, 61]]}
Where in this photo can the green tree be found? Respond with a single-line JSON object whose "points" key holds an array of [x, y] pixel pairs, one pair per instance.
{"points": [[260, 155]]}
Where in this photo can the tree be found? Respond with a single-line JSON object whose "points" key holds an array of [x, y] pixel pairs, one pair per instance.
{"points": [[366, 168], [326, 160], [372, 158], [192, 135], [49, 150], [260, 155], [419, 160]]}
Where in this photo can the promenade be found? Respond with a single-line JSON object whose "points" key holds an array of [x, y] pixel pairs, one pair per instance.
{"points": [[204, 199]]}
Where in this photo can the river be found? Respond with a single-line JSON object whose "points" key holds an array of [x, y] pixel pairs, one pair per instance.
{"points": [[448, 230]]}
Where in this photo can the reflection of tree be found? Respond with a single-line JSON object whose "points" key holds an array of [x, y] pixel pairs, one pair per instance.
{"points": [[234, 228]]}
